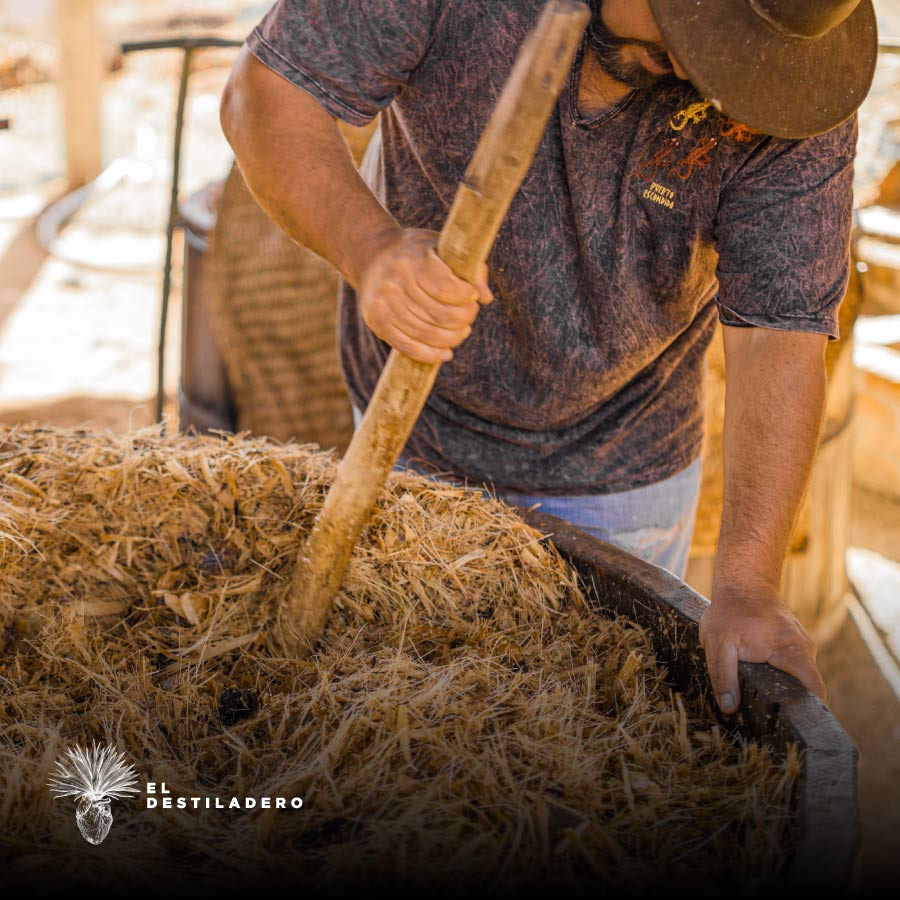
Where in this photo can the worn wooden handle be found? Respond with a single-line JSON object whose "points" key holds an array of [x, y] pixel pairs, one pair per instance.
{"points": [[495, 173]]}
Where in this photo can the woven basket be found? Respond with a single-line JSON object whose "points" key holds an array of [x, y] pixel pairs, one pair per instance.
{"points": [[274, 315]]}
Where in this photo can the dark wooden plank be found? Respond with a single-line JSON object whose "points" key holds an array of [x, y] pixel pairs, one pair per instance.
{"points": [[775, 708]]}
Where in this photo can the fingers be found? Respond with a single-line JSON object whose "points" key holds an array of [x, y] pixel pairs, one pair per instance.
{"points": [[799, 660], [415, 349], [424, 343], [436, 278], [485, 295], [411, 299], [758, 628], [413, 323], [722, 662], [432, 312]]}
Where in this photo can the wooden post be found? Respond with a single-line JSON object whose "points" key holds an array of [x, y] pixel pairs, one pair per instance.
{"points": [[81, 74], [500, 163]]}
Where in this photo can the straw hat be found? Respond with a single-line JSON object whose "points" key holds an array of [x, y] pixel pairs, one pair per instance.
{"points": [[789, 68]]}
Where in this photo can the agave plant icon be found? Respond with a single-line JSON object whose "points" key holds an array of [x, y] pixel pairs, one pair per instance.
{"points": [[94, 778]]}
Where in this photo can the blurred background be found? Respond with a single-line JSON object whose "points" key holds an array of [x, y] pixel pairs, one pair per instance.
{"points": [[119, 212]]}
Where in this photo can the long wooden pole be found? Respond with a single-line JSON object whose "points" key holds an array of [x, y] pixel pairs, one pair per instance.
{"points": [[500, 163], [174, 189]]}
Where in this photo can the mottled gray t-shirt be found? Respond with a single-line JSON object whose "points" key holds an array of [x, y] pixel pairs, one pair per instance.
{"points": [[632, 231]]}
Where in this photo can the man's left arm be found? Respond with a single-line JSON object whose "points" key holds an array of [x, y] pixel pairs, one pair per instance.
{"points": [[775, 399]]}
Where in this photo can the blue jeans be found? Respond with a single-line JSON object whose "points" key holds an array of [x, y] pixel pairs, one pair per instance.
{"points": [[655, 522]]}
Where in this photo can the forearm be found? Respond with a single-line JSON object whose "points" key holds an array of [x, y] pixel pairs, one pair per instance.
{"points": [[298, 166], [775, 398]]}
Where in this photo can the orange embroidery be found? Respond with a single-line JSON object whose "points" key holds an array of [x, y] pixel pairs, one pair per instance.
{"points": [[668, 160], [737, 130], [649, 169], [696, 159]]}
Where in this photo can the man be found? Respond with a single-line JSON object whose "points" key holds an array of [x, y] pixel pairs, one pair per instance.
{"points": [[699, 164]]}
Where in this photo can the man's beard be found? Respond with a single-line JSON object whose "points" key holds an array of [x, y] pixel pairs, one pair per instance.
{"points": [[607, 48]]}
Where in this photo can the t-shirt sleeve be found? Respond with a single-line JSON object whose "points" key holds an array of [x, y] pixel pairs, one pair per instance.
{"points": [[351, 57], [783, 234]]}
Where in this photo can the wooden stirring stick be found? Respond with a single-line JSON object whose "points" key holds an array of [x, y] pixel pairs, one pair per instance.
{"points": [[497, 169]]}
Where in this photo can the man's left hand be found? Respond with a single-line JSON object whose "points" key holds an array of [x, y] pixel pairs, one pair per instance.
{"points": [[754, 625]]}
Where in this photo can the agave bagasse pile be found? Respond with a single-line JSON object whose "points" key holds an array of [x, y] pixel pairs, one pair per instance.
{"points": [[465, 714]]}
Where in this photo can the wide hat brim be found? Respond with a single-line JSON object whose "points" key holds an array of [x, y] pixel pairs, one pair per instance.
{"points": [[789, 87]]}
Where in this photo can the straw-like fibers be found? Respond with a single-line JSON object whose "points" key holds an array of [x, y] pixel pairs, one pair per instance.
{"points": [[465, 715]]}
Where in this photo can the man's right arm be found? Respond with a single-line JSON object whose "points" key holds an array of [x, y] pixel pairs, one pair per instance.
{"points": [[299, 168]]}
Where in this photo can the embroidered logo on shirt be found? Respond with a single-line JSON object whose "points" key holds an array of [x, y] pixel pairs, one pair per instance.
{"points": [[681, 156], [660, 194], [690, 115], [649, 169], [737, 130], [698, 158]]}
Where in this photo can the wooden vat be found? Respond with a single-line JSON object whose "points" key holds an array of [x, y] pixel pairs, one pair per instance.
{"points": [[775, 708]]}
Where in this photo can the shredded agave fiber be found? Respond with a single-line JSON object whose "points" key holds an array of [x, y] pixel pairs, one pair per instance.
{"points": [[466, 715]]}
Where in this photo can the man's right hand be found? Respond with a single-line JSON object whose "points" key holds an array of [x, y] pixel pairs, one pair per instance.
{"points": [[414, 302]]}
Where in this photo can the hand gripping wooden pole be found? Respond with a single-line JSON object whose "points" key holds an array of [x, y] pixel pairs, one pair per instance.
{"points": [[501, 160]]}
